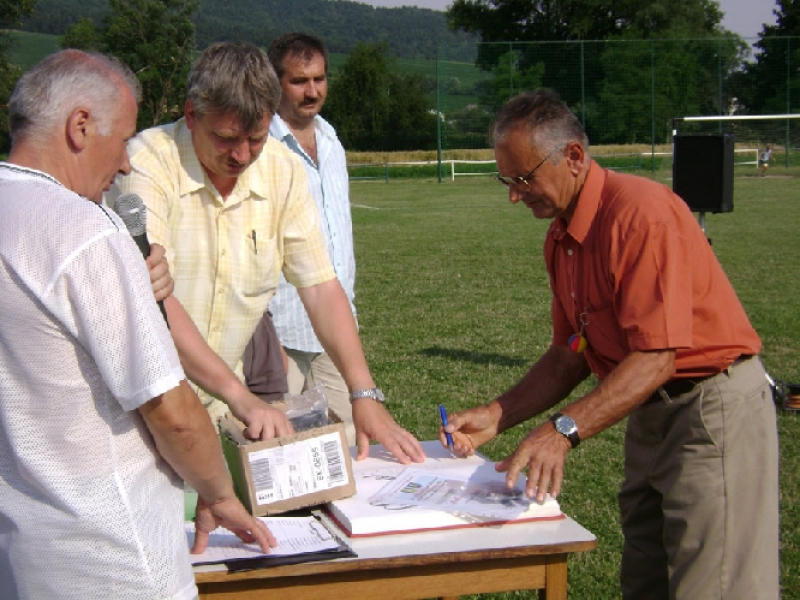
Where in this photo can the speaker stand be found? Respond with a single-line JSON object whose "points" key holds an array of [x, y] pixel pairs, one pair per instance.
{"points": [[702, 220]]}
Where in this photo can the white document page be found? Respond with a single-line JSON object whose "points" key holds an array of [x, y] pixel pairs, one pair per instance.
{"points": [[454, 493], [295, 535]]}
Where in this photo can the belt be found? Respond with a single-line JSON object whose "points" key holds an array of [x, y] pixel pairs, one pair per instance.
{"points": [[678, 387], [674, 388]]}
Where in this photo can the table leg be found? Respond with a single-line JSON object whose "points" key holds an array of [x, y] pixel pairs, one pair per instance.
{"points": [[555, 579]]}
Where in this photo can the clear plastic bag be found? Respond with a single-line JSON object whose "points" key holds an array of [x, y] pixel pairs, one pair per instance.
{"points": [[308, 410]]}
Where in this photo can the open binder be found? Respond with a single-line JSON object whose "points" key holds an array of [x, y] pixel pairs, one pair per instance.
{"points": [[366, 515]]}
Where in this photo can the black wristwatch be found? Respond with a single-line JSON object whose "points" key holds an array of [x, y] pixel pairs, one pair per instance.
{"points": [[566, 426]]}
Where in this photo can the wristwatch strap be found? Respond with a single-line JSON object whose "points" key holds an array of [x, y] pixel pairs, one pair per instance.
{"points": [[374, 393]]}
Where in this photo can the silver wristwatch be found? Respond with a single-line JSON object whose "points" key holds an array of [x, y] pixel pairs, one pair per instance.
{"points": [[566, 426], [374, 393]]}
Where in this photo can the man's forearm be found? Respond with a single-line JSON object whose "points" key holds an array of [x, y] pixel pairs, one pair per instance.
{"points": [[333, 322], [625, 388], [186, 438], [546, 383], [202, 365]]}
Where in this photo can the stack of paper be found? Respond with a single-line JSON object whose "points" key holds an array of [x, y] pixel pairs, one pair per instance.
{"points": [[303, 538], [443, 492]]}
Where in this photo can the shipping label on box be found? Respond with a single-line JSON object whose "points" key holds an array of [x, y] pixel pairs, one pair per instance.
{"points": [[304, 467], [282, 474]]}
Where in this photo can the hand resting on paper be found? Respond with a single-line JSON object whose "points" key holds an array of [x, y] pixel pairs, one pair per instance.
{"points": [[231, 514], [542, 453]]}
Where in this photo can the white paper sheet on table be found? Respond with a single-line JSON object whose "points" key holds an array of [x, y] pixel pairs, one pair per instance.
{"points": [[295, 535], [453, 493]]}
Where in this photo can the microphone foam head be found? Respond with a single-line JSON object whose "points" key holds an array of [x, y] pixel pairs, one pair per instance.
{"points": [[132, 211]]}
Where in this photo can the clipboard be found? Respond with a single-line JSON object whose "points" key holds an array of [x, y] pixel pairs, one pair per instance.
{"points": [[300, 539], [267, 561]]}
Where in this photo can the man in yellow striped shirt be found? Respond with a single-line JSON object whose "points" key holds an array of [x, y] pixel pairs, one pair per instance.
{"points": [[233, 210]]}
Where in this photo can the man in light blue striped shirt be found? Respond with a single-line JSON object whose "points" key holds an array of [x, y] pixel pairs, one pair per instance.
{"points": [[301, 62]]}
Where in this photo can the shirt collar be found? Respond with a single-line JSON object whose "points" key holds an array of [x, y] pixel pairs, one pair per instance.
{"points": [[587, 204], [323, 130]]}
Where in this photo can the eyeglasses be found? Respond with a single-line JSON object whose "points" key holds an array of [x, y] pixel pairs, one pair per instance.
{"points": [[509, 181]]}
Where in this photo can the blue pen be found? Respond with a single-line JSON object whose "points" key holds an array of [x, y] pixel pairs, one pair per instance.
{"points": [[443, 414]]}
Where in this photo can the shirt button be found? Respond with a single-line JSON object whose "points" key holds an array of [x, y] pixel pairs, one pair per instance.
{"points": [[569, 252]]}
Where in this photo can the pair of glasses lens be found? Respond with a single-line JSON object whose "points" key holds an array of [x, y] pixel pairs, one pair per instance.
{"points": [[509, 181]]}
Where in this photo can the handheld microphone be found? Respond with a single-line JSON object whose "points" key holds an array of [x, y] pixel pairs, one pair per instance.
{"points": [[132, 211]]}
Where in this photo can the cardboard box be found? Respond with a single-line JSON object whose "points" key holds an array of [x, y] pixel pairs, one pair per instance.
{"points": [[282, 474]]}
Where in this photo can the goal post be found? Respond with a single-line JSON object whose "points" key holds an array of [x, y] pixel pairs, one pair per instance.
{"points": [[781, 132]]}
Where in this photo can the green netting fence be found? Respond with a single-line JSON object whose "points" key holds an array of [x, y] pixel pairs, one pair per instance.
{"points": [[632, 96]]}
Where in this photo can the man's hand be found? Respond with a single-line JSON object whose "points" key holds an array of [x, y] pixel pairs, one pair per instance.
{"points": [[471, 428], [160, 277], [543, 452], [185, 437], [333, 322], [373, 421], [263, 421], [232, 515]]}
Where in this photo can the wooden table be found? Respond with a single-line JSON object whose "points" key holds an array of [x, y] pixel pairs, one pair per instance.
{"points": [[442, 564]]}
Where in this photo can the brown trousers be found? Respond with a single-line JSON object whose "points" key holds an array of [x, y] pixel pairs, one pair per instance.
{"points": [[699, 504]]}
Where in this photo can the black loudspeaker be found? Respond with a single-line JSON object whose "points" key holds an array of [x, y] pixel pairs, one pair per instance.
{"points": [[702, 171]]}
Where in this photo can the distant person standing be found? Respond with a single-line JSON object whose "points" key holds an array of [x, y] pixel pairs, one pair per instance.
{"points": [[763, 161], [301, 62]]}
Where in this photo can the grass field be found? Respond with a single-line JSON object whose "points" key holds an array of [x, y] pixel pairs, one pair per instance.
{"points": [[453, 305]]}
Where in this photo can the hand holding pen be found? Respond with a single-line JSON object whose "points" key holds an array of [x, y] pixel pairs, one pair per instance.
{"points": [[443, 416], [465, 431]]}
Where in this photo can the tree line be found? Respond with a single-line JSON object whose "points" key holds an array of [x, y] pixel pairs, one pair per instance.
{"points": [[702, 68], [409, 32], [375, 105]]}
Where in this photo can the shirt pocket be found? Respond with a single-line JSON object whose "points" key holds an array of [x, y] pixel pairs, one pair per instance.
{"points": [[260, 259]]}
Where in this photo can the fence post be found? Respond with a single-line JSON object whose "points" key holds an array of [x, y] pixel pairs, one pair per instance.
{"points": [[788, 97], [583, 85], [438, 123], [652, 104]]}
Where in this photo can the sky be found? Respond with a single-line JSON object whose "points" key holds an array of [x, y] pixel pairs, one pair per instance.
{"points": [[745, 17]]}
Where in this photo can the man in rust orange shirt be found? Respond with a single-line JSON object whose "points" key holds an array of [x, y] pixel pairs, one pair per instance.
{"points": [[640, 300]]}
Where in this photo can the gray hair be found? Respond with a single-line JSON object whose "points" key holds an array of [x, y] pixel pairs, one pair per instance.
{"points": [[548, 120], [303, 45], [231, 77], [48, 93]]}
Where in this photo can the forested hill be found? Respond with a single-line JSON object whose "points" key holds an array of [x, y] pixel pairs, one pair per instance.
{"points": [[410, 32]]}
